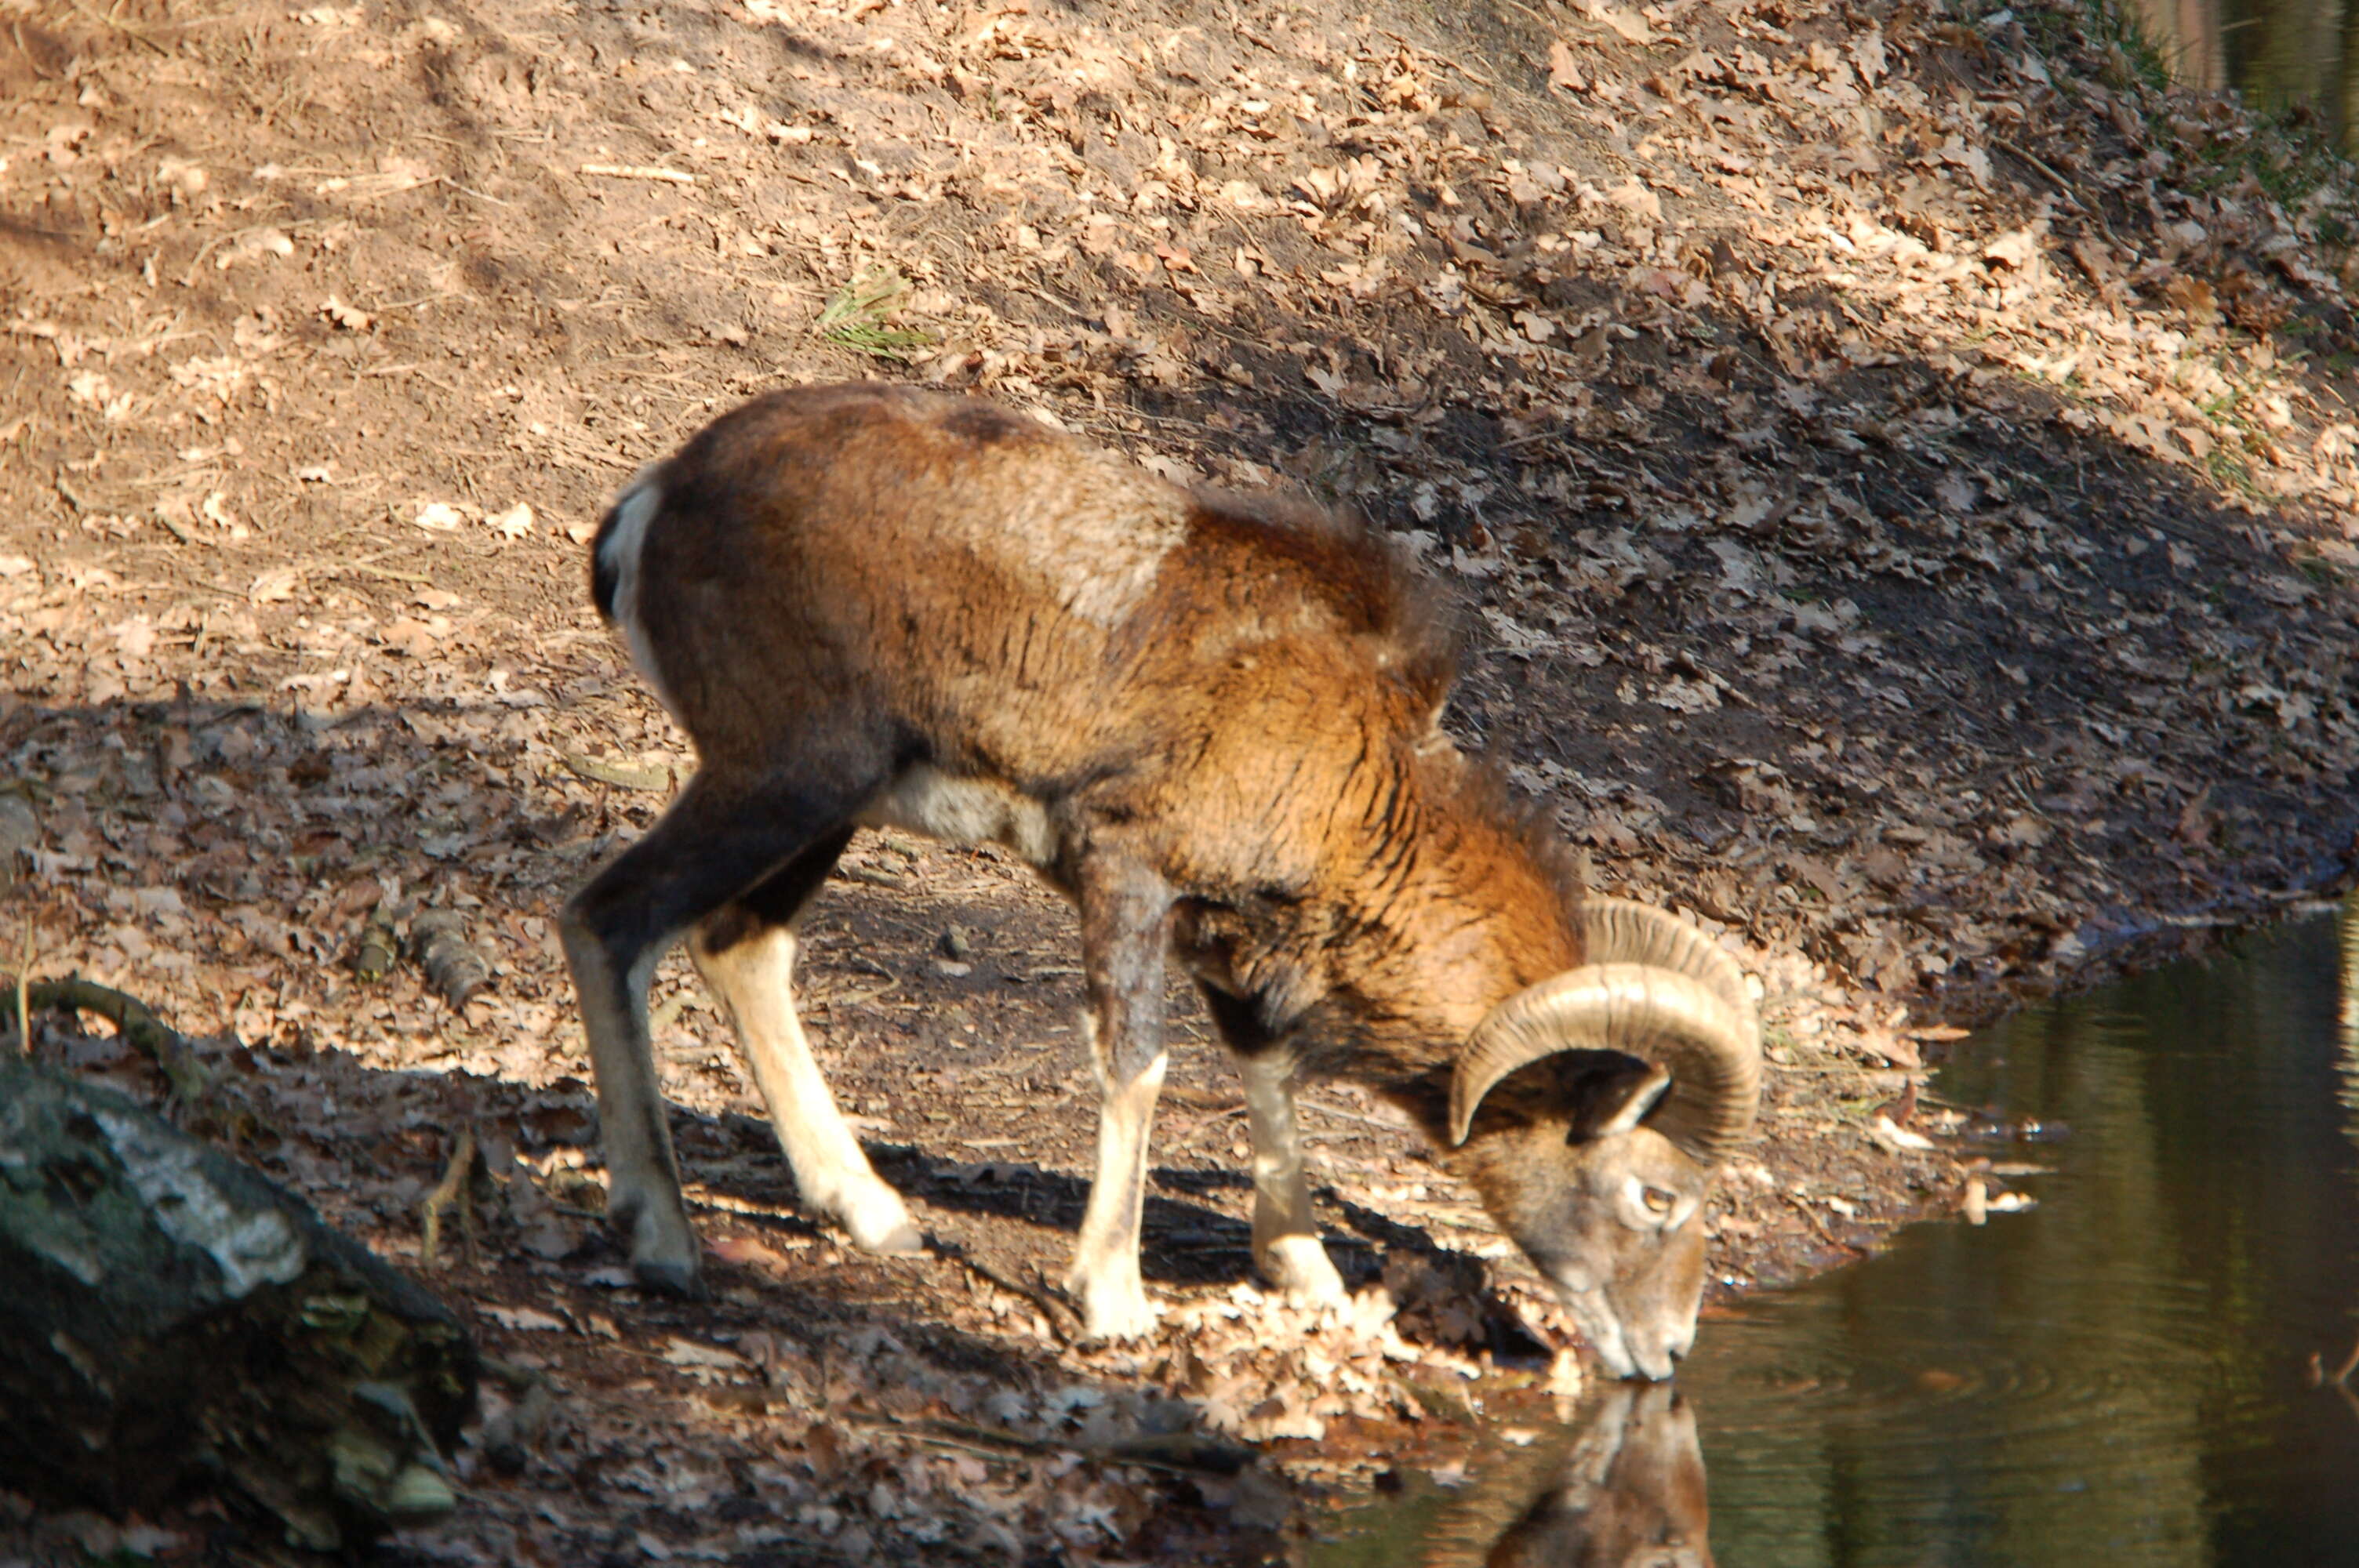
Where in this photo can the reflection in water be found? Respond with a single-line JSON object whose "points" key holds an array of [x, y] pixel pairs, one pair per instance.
{"points": [[1630, 1495], [2275, 53], [2329, 1373], [2119, 1377], [1620, 1486], [2346, 930]]}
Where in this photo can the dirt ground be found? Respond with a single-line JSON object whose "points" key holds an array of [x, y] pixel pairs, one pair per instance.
{"points": [[1894, 462]]}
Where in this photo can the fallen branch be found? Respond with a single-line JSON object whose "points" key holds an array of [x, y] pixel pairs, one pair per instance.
{"points": [[136, 1024], [380, 947], [172, 1319], [454, 967]]}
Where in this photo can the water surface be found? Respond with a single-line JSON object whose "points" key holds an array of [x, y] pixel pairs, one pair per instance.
{"points": [[2275, 53], [2121, 1376]]}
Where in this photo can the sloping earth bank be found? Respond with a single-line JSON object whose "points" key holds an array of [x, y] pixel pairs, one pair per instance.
{"points": [[1894, 460]]}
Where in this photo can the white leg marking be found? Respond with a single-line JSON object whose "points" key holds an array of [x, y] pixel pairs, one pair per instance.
{"points": [[643, 1183], [1285, 1230], [753, 980], [1104, 1274]]}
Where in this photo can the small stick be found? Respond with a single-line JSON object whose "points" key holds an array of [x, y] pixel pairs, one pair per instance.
{"points": [[364, 570], [445, 1192], [471, 190], [24, 976], [1183, 1453], [638, 171], [615, 774], [1810, 1215], [1049, 1308]]}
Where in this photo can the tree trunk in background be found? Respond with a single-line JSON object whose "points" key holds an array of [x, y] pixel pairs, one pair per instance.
{"points": [[2346, 95], [170, 1319], [2346, 932], [2187, 32]]}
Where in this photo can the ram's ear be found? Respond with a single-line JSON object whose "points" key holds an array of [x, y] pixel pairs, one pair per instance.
{"points": [[1621, 1102]]}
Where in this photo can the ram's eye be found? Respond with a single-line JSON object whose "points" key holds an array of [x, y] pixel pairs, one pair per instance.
{"points": [[1659, 1202]]}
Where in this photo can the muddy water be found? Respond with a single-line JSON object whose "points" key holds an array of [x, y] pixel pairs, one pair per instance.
{"points": [[2118, 1377]]}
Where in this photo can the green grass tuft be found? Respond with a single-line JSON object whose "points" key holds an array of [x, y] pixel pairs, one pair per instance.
{"points": [[857, 316]]}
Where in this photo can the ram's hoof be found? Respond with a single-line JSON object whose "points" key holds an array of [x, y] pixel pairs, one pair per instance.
{"points": [[878, 1220], [1114, 1310], [1298, 1266], [668, 1278]]}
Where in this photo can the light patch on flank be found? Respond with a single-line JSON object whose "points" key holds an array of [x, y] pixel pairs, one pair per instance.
{"points": [[1099, 536], [619, 555], [924, 799]]}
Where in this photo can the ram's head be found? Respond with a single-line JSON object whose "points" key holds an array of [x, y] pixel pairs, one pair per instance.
{"points": [[1591, 1110]]}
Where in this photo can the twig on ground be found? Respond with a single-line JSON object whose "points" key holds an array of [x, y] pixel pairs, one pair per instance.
{"points": [[1187, 1453], [1051, 1310], [126, 28], [638, 171], [1307, 1103], [2063, 186], [446, 1192], [616, 773], [134, 1022], [363, 569], [24, 974], [1802, 1206], [471, 190]]}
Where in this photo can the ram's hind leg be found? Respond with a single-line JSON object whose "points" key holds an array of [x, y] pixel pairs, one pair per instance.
{"points": [[746, 953], [709, 847]]}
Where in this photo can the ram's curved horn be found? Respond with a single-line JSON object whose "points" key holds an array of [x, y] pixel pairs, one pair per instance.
{"points": [[1619, 931], [1649, 1012]]}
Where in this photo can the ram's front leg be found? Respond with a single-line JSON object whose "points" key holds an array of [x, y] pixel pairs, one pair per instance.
{"points": [[1286, 1245], [1126, 931]]}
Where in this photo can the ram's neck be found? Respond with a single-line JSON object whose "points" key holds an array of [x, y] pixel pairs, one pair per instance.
{"points": [[1436, 905]]}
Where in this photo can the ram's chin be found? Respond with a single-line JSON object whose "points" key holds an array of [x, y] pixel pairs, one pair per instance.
{"points": [[1601, 1326]]}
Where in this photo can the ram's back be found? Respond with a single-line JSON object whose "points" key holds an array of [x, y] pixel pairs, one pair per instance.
{"points": [[1002, 599]]}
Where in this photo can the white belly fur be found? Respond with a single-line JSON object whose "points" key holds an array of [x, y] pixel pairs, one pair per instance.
{"points": [[962, 811]]}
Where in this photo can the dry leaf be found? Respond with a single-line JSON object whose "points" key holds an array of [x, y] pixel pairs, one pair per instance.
{"points": [[1564, 71], [1629, 23]]}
